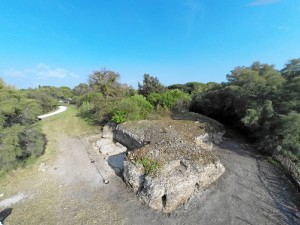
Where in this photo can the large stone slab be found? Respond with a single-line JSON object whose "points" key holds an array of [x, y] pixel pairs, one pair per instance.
{"points": [[169, 159]]}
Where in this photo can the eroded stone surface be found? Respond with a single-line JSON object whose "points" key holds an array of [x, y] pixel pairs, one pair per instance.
{"points": [[182, 149]]}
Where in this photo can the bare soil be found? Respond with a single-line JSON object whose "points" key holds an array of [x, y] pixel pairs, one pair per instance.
{"points": [[70, 190]]}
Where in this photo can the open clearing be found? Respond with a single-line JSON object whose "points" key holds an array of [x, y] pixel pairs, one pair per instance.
{"points": [[64, 187]]}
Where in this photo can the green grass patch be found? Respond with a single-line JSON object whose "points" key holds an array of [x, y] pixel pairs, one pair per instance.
{"points": [[67, 123], [150, 166]]}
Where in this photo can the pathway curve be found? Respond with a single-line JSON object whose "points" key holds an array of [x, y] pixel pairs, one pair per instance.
{"points": [[60, 110]]}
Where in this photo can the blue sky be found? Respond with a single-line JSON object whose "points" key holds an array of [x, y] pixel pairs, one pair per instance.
{"points": [[60, 42]]}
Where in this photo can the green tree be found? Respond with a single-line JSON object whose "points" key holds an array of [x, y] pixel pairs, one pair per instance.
{"points": [[290, 133], [290, 96], [81, 89], [291, 69], [150, 84], [20, 136], [132, 108], [105, 82], [170, 99]]}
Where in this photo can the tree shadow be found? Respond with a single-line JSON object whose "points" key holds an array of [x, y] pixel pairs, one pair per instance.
{"points": [[283, 193], [4, 214]]}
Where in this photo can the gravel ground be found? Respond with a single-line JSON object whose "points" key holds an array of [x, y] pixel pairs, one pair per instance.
{"points": [[71, 191]]}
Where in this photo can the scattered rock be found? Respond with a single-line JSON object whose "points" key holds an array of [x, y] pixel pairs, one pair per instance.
{"points": [[42, 167], [105, 181], [107, 131]]}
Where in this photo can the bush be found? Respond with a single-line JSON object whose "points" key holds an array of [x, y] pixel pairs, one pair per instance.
{"points": [[170, 99], [18, 143], [32, 142], [132, 108]]}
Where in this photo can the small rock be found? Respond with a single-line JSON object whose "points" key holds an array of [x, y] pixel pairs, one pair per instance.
{"points": [[60, 186], [105, 181], [297, 214], [1, 195], [42, 167]]}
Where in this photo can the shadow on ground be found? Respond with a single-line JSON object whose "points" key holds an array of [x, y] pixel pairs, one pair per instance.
{"points": [[4, 214]]}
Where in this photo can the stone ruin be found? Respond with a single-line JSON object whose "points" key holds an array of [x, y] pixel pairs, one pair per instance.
{"points": [[167, 160]]}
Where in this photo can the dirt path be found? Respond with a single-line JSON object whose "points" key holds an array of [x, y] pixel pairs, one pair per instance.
{"points": [[252, 191], [60, 110], [70, 190]]}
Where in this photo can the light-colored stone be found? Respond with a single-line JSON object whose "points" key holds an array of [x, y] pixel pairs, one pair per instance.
{"points": [[174, 186], [103, 141], [42, 167], [107, 149], [108, 131], [133, 175], [186, 165]]}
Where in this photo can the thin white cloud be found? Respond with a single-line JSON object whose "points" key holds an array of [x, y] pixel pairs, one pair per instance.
{"points": [[41, 71], [262, 2], [283, 28], [14, 73], [195, 9]]}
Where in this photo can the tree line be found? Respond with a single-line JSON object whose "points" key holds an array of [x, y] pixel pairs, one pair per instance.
{"points": [[259, 100], [262, 102]]}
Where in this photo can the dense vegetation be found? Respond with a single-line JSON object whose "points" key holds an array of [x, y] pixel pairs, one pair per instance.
{"points": [[21, 138], [104, 98], [262, 102], [259, 100]]}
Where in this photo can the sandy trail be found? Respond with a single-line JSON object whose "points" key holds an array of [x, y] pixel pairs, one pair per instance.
{"points": [[71, 191], [60, 110]]}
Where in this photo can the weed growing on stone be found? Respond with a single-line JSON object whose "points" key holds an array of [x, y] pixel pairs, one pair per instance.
{"points": [[150, 166]]}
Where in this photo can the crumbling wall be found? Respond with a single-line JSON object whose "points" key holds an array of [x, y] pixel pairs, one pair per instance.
{"points": [[184, 166]]}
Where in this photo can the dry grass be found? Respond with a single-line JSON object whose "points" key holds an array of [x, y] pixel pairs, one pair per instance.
{"points": [[64, 124], [42, 189]]}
